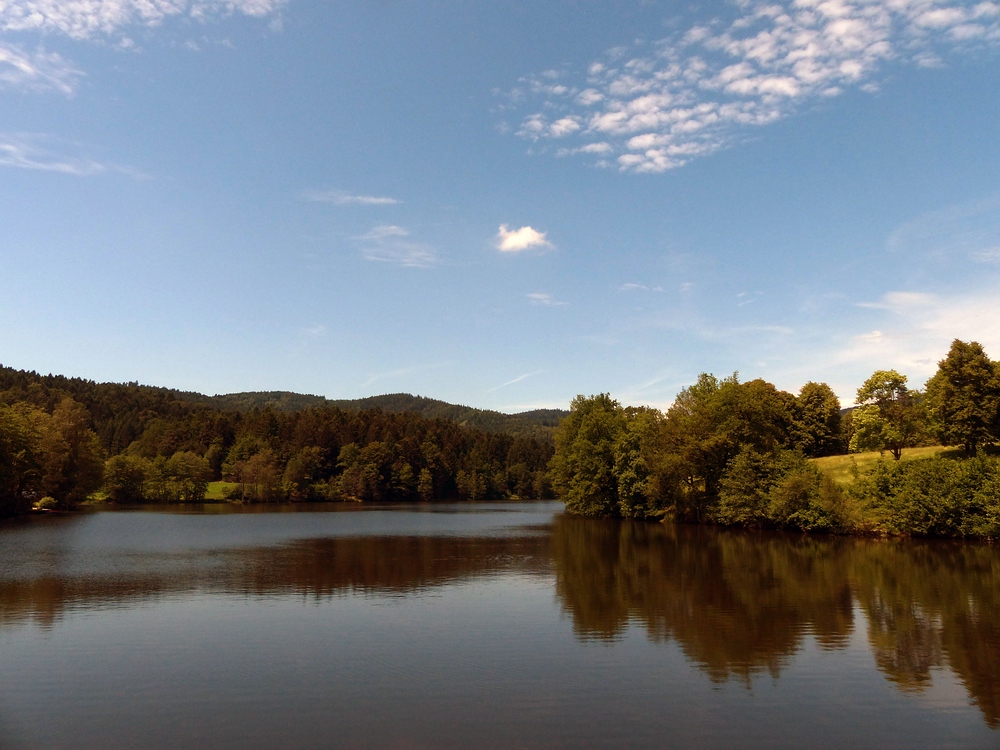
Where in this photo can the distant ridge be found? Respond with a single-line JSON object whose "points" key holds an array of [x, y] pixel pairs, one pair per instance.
{"points": [[535, 423], [145, 402]]}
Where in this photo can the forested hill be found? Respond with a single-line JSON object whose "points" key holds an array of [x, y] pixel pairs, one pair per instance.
{"points": [[538, 423], [62, 439], [120, 410]]}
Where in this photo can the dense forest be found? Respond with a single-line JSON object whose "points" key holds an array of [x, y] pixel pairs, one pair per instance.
{"points": [[63, 439], [726, 452], [738, 454]]}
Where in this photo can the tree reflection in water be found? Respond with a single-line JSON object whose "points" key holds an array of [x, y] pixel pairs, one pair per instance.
{"points": [[739, 603]]}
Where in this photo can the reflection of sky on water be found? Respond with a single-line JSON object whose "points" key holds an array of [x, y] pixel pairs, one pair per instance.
{"points": [[572, 633]]}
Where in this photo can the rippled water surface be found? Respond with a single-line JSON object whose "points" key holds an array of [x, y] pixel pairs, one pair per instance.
{"points": [[488, 626]]}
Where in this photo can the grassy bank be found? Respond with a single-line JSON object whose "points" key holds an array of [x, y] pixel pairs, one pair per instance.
{"points": [[838, 468], [219, 490]]}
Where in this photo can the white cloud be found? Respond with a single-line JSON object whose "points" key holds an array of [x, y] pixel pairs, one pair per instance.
{"points": [[916, 329], [36, 71], [516, 240], [340, 198], [658, 106], [37, 152], [546, 300], [639, 288], [88, 19], [388, 243]]}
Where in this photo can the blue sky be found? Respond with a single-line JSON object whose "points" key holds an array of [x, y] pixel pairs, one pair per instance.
{"points": [[501, 204]]}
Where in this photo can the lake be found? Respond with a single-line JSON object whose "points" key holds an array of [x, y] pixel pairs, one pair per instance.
{"points": [[502, 625]]}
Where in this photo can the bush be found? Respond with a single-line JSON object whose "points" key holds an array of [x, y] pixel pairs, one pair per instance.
{"points": [[932, 497], [780, 489]]}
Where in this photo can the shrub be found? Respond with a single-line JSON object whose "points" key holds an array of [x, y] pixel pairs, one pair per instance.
{"points": [[780, 489], [932, 497]]}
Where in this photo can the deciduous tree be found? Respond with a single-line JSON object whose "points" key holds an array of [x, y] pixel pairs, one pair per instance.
{"points": [[963, 397]]}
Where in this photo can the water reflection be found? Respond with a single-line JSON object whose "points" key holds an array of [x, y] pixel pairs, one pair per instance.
{"points": [[737, 604], [318, 568], [741, 603]]}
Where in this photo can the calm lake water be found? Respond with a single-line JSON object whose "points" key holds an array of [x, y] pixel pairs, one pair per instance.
{"points": [[487, 626]]}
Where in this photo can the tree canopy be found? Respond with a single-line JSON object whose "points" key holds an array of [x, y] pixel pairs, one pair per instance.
{"points": [[963, 397]]}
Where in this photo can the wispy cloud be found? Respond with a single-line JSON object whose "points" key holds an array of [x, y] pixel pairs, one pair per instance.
{"points": [[639, 288], [989, 255], [103, 18], [403, 372], [655, 107], [341, 198], [36, 71], [388, 243], [49, 154], [314, 331], [518, 379], [547, 300], [911, 332], [965, 231], [517, 240]]}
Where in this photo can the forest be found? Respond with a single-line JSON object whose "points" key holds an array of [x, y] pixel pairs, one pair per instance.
{"points": [[726, 452], [64, 439], [738, 454]]}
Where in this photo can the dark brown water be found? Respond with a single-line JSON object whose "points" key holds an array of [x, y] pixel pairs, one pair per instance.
{"points": [[492, 626]]}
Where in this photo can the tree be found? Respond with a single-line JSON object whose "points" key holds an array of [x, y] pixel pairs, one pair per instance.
{"points": [[72, 460], [636, 463], [188, 474], [963, 397], [709, 423], [302, 472], [888, 416], [19, 469], [583, 467], [817, 422], [125, 478]]}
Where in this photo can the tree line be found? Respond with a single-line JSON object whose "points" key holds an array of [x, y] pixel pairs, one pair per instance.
{"points": [[61, 440], [736, 453]]}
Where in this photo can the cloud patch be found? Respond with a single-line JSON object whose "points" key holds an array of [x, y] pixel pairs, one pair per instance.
{"points": [[917, 329], [388, 243], [48, 154], [517, 240], [544, 299], [341, 198], [639, 288], [652, 107], [36, 71], [95, 18]]}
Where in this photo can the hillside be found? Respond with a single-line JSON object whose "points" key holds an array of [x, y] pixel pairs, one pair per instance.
{"points": [[121, 411], [537, 423]]}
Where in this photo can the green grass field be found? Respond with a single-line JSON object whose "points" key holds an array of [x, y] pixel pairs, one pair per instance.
{"points": [[219, 490], [838, 468]]}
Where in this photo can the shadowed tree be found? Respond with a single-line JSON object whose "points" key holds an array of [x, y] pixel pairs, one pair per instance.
{"points": [[72, 460], [816, 424], [18, 461]]}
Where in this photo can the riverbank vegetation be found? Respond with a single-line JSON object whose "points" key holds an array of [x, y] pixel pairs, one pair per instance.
{"points": [[750, 455], [64, 440]]}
